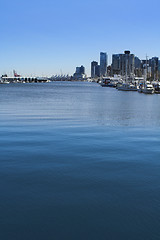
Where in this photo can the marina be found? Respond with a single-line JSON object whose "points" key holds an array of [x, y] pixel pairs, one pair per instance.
{"points": [[128, 81], [140, 86]]}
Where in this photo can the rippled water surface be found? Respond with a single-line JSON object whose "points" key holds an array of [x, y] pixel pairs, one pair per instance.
{"points": [[78, 161]]}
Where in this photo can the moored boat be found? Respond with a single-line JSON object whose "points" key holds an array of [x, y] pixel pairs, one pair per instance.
{"points": [[156, 86], [105, 82], [148, 88], [4, 81], [127, 87]]}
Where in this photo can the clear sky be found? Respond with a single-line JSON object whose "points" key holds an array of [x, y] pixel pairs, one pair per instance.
{"points": [[46, 37]]}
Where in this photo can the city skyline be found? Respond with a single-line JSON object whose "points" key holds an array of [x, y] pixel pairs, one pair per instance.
{"points": [[45, 38]]}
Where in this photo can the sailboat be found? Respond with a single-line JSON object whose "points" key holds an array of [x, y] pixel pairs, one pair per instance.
{"points": [[127, 86], [147, 86], [156, 86]]}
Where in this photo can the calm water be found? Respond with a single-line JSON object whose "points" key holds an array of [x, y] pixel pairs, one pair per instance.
{"points": [[78, 161]]}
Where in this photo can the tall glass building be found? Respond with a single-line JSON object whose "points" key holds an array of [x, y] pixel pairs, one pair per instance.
{"points": [[93, 69], [103, 64], [115, 64], [127, 63]]}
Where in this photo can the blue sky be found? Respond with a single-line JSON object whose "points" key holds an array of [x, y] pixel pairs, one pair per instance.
{"points": [[52, 37]]}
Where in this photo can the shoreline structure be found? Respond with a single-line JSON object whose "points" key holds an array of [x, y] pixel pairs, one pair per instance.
{"points": [[127, 72]]}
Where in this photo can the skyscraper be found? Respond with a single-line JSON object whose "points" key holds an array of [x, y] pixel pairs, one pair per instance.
{"points": [[137, 62], [137, 67], [103, 64], [116, 64], [127, 63], [97, 71], [93, 69], [153, 62]]}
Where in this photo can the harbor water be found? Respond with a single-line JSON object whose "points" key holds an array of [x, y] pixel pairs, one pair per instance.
{"points": [[78, 161]]}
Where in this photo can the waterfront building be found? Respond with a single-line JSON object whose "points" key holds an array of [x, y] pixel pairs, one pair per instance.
{"points": [[158, 69], [137, 67], [153, 63], [115, 67], [137, 62], [93, 69], [97, 71], [127, 64], [80, 73], [123, 64], [109, 71], [80, 70], [103, 64], [146, 67]]}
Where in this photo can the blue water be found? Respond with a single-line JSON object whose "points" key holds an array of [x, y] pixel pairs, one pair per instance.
{"points": [[78, 161]]}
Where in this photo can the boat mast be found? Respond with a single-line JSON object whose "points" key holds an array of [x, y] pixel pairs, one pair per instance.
{"points": [[126, 71], [146, 70]]}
